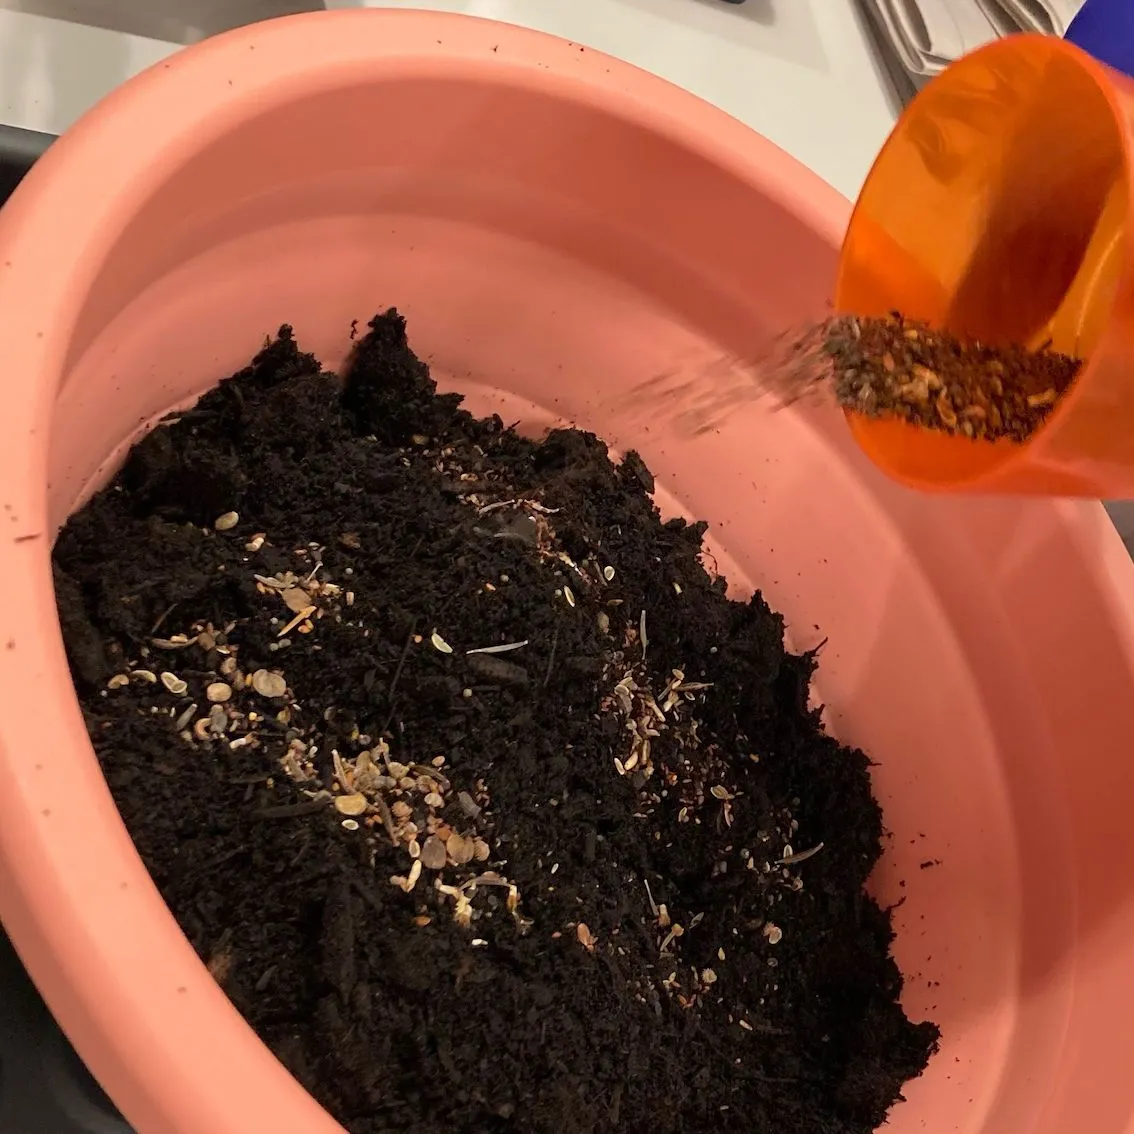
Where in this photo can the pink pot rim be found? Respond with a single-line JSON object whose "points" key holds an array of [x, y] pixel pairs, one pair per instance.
{"points": [[80, 907]]}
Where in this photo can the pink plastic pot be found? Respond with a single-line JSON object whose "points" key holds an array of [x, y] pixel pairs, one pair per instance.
{"points": [[560, 229]]}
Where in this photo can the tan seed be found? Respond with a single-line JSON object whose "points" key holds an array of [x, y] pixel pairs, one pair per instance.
{"points": [[226, 521], [434, 800], [173, 683], [608, 573], [433, 853], [945, 412], [118, 681], [773, 933], [219, 692], [440, 644], [353, 804], [1047, 398], [569, 595], [146, 675], [460, 849], [269, 684], [481, 850], [296, 599], [585, 937], [201, 729], [401, 810], [927, 376], [708, 976], [256, 542], [421, 921]]}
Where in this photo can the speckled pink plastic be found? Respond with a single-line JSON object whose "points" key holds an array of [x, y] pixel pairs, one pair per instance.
{"points": [[560, 229]]}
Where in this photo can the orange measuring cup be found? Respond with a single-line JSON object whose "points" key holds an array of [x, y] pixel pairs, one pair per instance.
{"points": [[1000, 209]]}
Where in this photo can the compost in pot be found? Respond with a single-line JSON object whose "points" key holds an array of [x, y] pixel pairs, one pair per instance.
{"points": [[484, 804]]}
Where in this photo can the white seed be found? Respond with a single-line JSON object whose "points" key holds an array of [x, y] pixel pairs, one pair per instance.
{"points": [[173, 683], [353, 804], [677, 588], [269, 684], [414, 875], [439, 643], [226, 521], [569, 595], [218, 692], [350, 824], [118, 681], [608, 573]]}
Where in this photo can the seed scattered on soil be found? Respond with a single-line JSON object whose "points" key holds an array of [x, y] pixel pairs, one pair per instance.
{"points": [[218, 692], [354, 804], [446, 887], [440, 644], [608, 573], [226, 521], [269, 684], [118, 681], [174, 683]]}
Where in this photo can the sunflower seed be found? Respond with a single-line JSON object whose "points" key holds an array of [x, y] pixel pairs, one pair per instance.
{"points": [[173, 683]]}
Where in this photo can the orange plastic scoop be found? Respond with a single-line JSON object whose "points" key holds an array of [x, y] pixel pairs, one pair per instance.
{"points": [[1000, 209]]}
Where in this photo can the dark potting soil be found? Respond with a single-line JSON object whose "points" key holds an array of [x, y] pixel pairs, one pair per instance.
{"points": [[896, 367], [605, 874]]}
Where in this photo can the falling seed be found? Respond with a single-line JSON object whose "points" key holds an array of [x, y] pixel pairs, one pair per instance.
{"points": [[608, 573], [173, 683], [118, 681], [569, 595], [745, 1025], [585, 936], [433, 853], [218, 692], [350, 824], [440, 644], [269, 684], [478, 942], [226, 521], [353, 804], [773, 933]]}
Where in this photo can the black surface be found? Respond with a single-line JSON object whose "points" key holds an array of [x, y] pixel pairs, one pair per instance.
{"points": [[44, 1087]]}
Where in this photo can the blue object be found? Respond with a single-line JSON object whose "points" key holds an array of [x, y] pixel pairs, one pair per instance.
{"points": [[1105, 29]]}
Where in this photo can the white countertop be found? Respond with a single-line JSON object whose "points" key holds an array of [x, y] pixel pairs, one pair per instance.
{"points": [[799, 71]]}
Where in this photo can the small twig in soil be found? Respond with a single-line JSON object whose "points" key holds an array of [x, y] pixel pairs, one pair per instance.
{"points": [[551, 657], [398, 673], [290, 810], [802, 856]]}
